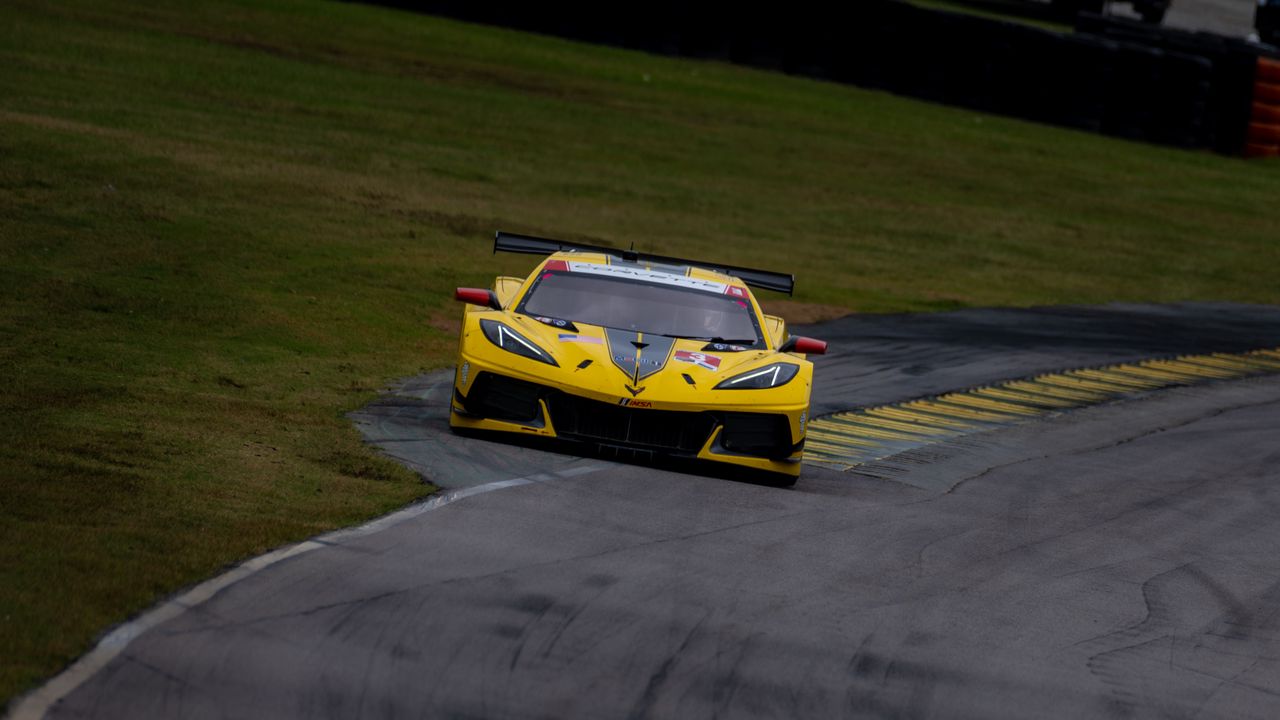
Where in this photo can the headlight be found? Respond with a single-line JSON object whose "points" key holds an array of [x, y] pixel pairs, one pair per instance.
{"points": [[512, 341], [766, 377]]}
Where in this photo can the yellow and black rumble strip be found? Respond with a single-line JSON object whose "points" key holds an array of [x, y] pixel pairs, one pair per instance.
{"points": [[848, 439]]}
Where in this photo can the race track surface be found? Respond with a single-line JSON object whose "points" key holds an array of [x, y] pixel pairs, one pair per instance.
{"points": [[1121, 560], [1233, 18]]}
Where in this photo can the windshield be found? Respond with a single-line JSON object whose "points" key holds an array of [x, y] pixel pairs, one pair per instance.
{"points": [[642, 307]]}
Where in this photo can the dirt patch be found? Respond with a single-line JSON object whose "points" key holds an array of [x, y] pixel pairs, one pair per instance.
{"points": [[45, 122], [798, 313], [448, 322]]}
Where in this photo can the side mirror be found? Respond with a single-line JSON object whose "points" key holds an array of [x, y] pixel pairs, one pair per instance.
{"points": [[478, 296], [804, 345]]}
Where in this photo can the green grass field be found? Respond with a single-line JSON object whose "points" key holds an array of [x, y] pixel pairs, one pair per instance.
{"points": [[223, 225]]}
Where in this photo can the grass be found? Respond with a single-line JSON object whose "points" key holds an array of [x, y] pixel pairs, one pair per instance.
{"points": [[224, 224]]}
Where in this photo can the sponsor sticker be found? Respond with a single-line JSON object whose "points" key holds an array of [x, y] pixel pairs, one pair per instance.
{"points": [[632, 402], [552, 321], [735, 291], [710, 362], [580, 339]]}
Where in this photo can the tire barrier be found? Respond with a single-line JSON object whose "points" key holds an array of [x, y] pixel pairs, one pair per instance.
{"points": [[1268, 71], [1263, 136], [1117, 77], [1266, 113], [1222, 97]]}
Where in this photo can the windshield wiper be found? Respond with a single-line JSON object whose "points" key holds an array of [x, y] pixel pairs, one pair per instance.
{"points": [[709, 339], [713, 340], [722, 341]]}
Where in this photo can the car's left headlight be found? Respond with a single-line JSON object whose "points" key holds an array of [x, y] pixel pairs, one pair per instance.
{"points": [[512, 341], [768, 376]]}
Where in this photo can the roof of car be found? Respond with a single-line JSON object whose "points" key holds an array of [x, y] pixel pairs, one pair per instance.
{"points": [[645, 268]]}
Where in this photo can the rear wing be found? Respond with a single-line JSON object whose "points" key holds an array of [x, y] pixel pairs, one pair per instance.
{"points": [[510, 242]]}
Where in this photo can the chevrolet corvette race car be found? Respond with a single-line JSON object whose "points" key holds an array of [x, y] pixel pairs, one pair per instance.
{"points": [[624, 350]]}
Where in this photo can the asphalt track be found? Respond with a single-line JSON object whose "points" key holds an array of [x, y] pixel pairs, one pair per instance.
{"points": [[1121, 560], [1233, 18]]}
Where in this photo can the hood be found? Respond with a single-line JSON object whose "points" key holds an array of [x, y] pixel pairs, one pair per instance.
{"points": [[636, 363]]}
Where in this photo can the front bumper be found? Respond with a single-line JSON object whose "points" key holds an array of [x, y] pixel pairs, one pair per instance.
{"points": [[759, 440]]}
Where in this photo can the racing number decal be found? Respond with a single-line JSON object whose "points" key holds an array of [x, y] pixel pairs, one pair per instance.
{"points": [[710, 362]]}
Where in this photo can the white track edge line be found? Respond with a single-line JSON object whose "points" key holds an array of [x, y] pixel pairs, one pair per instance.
{"points": [[35, 704]]}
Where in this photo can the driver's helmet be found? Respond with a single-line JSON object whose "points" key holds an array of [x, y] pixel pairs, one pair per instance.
{"points": [[712, 322]]}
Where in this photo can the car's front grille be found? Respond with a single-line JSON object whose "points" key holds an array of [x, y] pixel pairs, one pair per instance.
{"points": [[504, 398], [662, 430], [665, 431], [757, 434]]}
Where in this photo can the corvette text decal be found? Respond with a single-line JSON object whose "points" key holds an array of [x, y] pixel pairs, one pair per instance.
{"points": [[637, 355], [638, 273]]}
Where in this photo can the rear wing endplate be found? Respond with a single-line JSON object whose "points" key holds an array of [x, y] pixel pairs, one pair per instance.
{"points": [[510, 242]]}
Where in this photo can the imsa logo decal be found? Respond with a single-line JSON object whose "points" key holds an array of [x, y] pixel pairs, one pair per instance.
{"points": [[632, 402]]}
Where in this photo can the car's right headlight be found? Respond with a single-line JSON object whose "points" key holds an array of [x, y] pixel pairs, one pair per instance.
{"points": [[512, 341], [769, 376]]}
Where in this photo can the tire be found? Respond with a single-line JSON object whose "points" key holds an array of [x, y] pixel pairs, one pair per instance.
{"points": [[1266, 114], [1260, 134], [1268, 71], [1256, 151], [1266, 93]]}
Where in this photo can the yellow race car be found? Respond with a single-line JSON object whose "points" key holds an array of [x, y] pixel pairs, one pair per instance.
{"points": [[648, 354]]}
